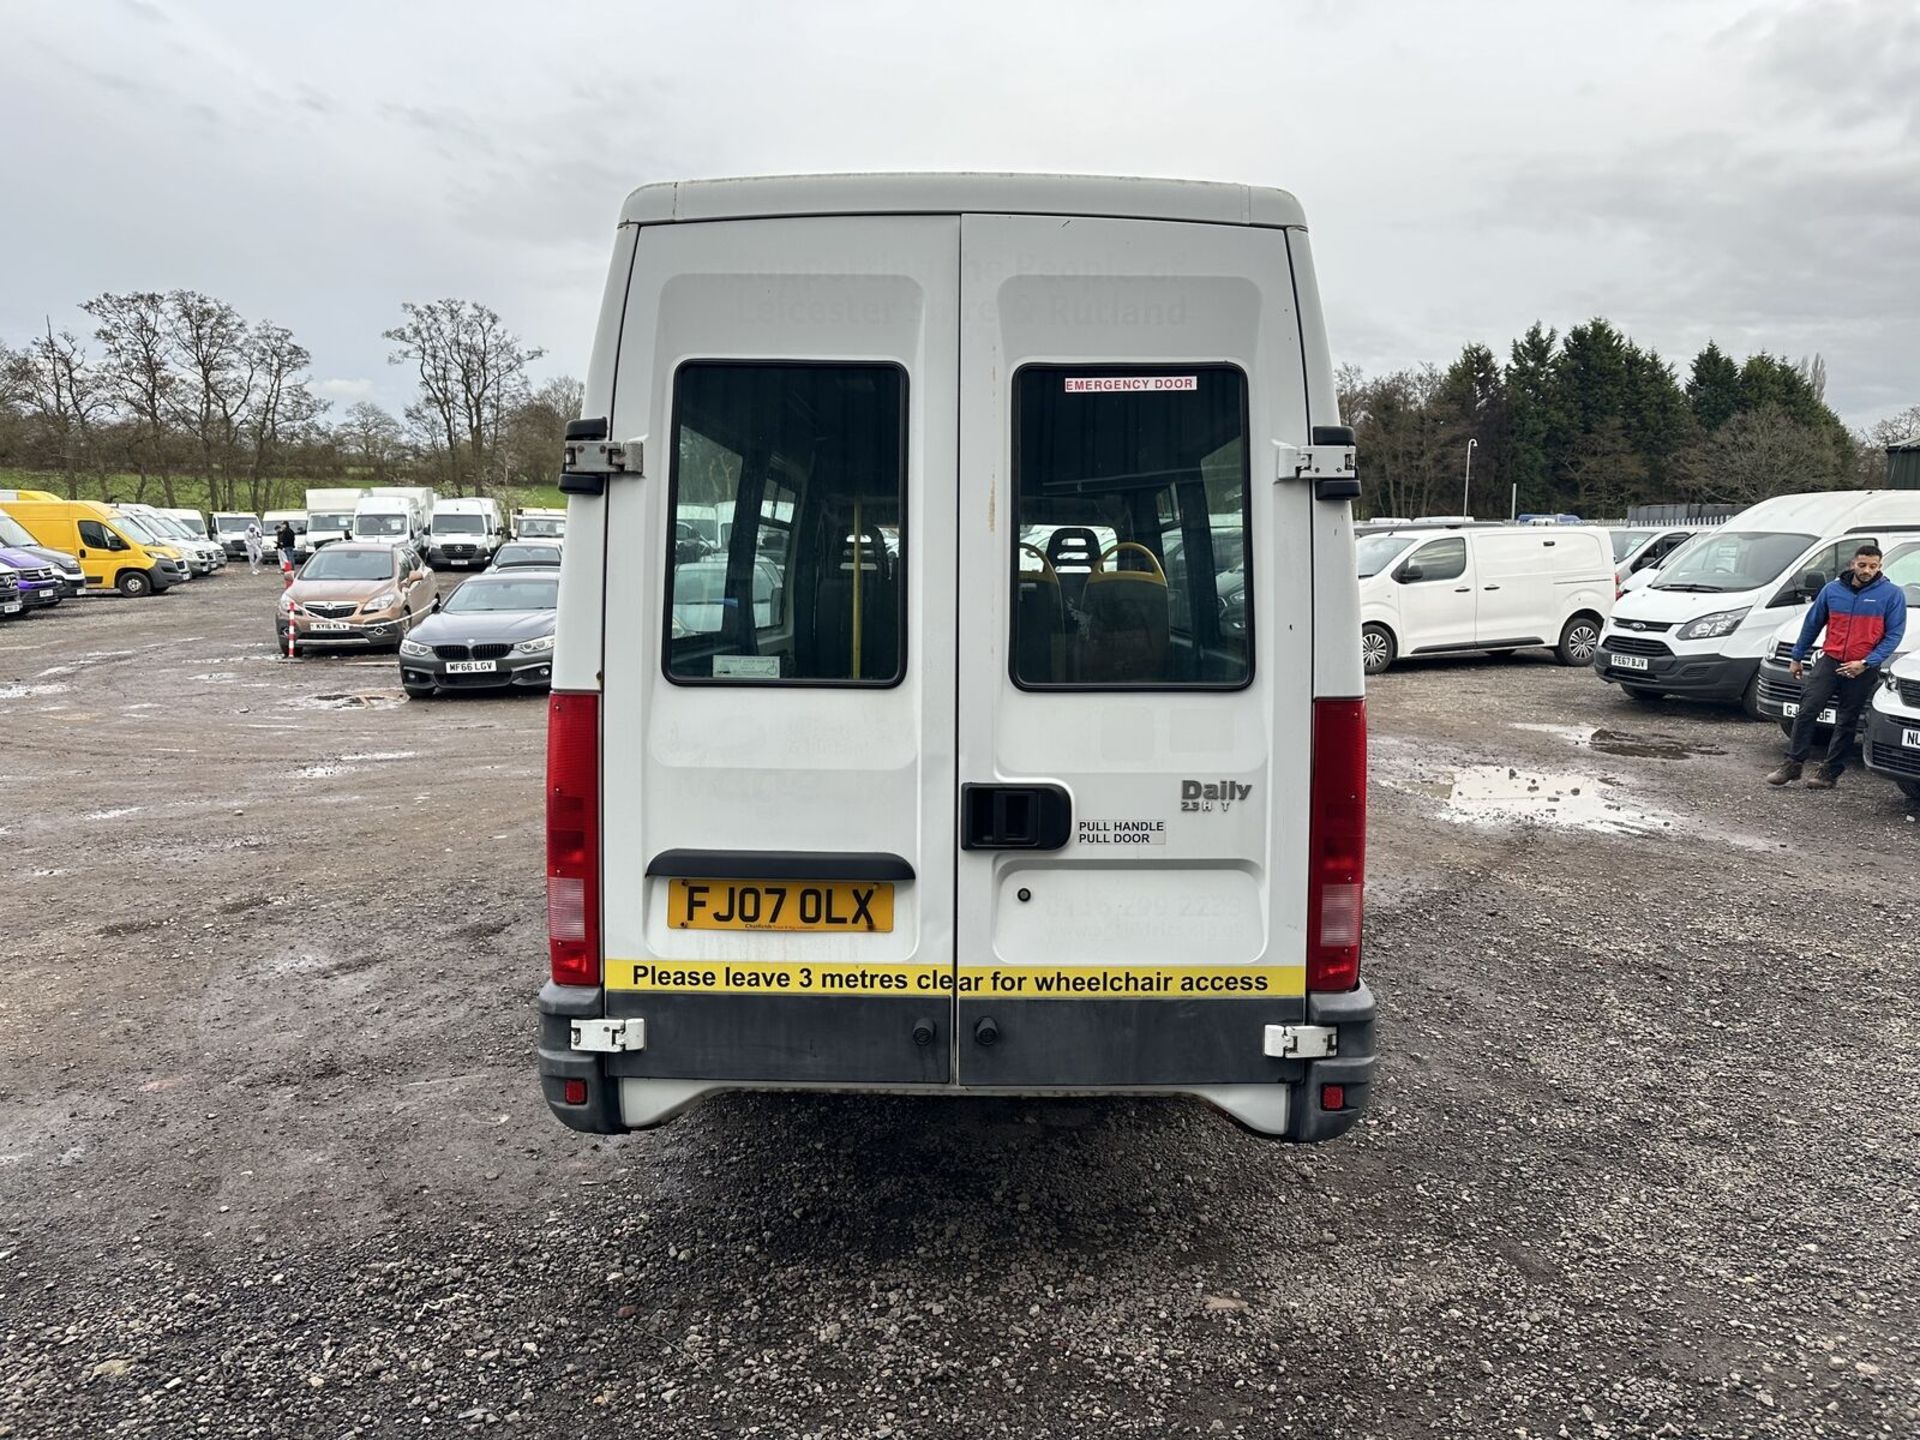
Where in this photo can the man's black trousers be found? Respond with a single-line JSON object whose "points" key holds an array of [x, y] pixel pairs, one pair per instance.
{"points": [[1825, 686]]}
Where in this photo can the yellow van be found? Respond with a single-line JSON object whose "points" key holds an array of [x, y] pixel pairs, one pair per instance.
{"points": [[116, 551]]}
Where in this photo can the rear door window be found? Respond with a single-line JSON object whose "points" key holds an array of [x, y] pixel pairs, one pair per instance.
{"points": [[787, 557], [1130, 562]]}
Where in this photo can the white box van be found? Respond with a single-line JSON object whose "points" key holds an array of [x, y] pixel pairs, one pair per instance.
{"points": [[907, 804], [1483, 587], [330, 513], [1700, 628], [393, 514], [464, 533]]}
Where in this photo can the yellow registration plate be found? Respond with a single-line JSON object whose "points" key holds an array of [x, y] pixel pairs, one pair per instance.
{"points": [[834, 906]]}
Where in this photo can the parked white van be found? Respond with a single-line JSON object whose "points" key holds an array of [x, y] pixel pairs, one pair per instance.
{"points": [[1700, 628], [465, 533], [1497, 588], [1644, 547], [920, 810], [1891, 739]]}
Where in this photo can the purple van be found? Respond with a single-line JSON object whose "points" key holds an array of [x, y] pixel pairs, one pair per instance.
{"points": [[39, 582]]}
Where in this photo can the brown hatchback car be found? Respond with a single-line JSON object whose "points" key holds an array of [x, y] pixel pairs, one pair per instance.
{"points": [[361, 595]]}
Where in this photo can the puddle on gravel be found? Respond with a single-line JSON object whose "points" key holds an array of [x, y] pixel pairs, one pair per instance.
{"points": [[1624, 742], [28, 692], [1503, 795], [323, 771], [382, 755], [363, 700], [216, 677], [119, 814]]}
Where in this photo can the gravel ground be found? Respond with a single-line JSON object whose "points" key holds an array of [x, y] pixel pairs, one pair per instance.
{"points": [[273, 1159]]}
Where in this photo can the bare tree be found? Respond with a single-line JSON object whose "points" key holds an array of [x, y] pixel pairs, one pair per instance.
{"points": [[538, 427], [282, 406], [372, 439], [1870, 446], [64, 391], [139, 370], [1756, 454], [472, 372], [211, 344], [1813, 369]]}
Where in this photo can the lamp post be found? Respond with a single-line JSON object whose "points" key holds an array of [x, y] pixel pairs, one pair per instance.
{"points": [[1466, 490]]}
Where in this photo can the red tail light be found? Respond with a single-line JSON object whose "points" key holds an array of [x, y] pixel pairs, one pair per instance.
{"points": [[1337, 844], [573, 837]]}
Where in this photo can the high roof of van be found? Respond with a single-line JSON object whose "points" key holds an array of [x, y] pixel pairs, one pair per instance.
{"points": [[1824, 511], [766, 196]]}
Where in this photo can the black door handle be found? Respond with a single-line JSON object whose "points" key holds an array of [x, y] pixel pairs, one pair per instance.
{"points": [[1014, 817], [1464, 590], [1493, 587]]}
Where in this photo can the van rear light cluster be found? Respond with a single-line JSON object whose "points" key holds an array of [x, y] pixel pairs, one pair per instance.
{"points": [[573, 837], [1337, 844]]}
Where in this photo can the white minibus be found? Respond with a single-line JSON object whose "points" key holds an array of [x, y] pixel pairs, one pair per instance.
{"points": [[876, 793]]}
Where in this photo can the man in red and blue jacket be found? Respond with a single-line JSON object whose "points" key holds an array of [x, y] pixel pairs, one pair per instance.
{"points": [[1865, 616]]}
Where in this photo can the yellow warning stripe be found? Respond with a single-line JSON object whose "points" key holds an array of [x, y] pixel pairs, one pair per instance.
{"points": [[1008, 982]]}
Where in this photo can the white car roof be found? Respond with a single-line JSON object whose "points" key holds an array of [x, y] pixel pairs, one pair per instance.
{"points": [[761, 196]]}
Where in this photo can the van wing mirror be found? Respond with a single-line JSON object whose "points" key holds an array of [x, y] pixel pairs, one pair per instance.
{"points": [[1811, 584], [1409, 573]]}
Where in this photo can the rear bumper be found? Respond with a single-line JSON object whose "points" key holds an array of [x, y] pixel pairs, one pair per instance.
{"points": [[1291, 1109], [1694, 677]]}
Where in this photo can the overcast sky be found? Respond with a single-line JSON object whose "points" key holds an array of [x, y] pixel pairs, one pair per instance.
{"points": [[1687, 168]]}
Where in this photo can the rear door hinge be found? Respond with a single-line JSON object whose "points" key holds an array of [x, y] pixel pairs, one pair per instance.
{"points": [[590, 458], [1328, 460], [609, 1037], [1301, 1042]]}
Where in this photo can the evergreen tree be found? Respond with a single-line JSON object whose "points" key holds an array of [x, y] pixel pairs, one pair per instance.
{"points": [[1593, 374], [1657, 420], [1536, 416], [1713, 388]]}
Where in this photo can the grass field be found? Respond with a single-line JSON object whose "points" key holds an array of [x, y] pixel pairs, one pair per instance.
{"points": [[191, 491]]}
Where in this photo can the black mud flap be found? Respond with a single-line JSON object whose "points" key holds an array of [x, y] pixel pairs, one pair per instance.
{"points": [[811, 1040], [1123, 1042]]}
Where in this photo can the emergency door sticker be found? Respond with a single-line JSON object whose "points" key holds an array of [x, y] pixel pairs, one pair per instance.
{"points": [[1122, 833], [1000, 982], [1107, 384]]}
